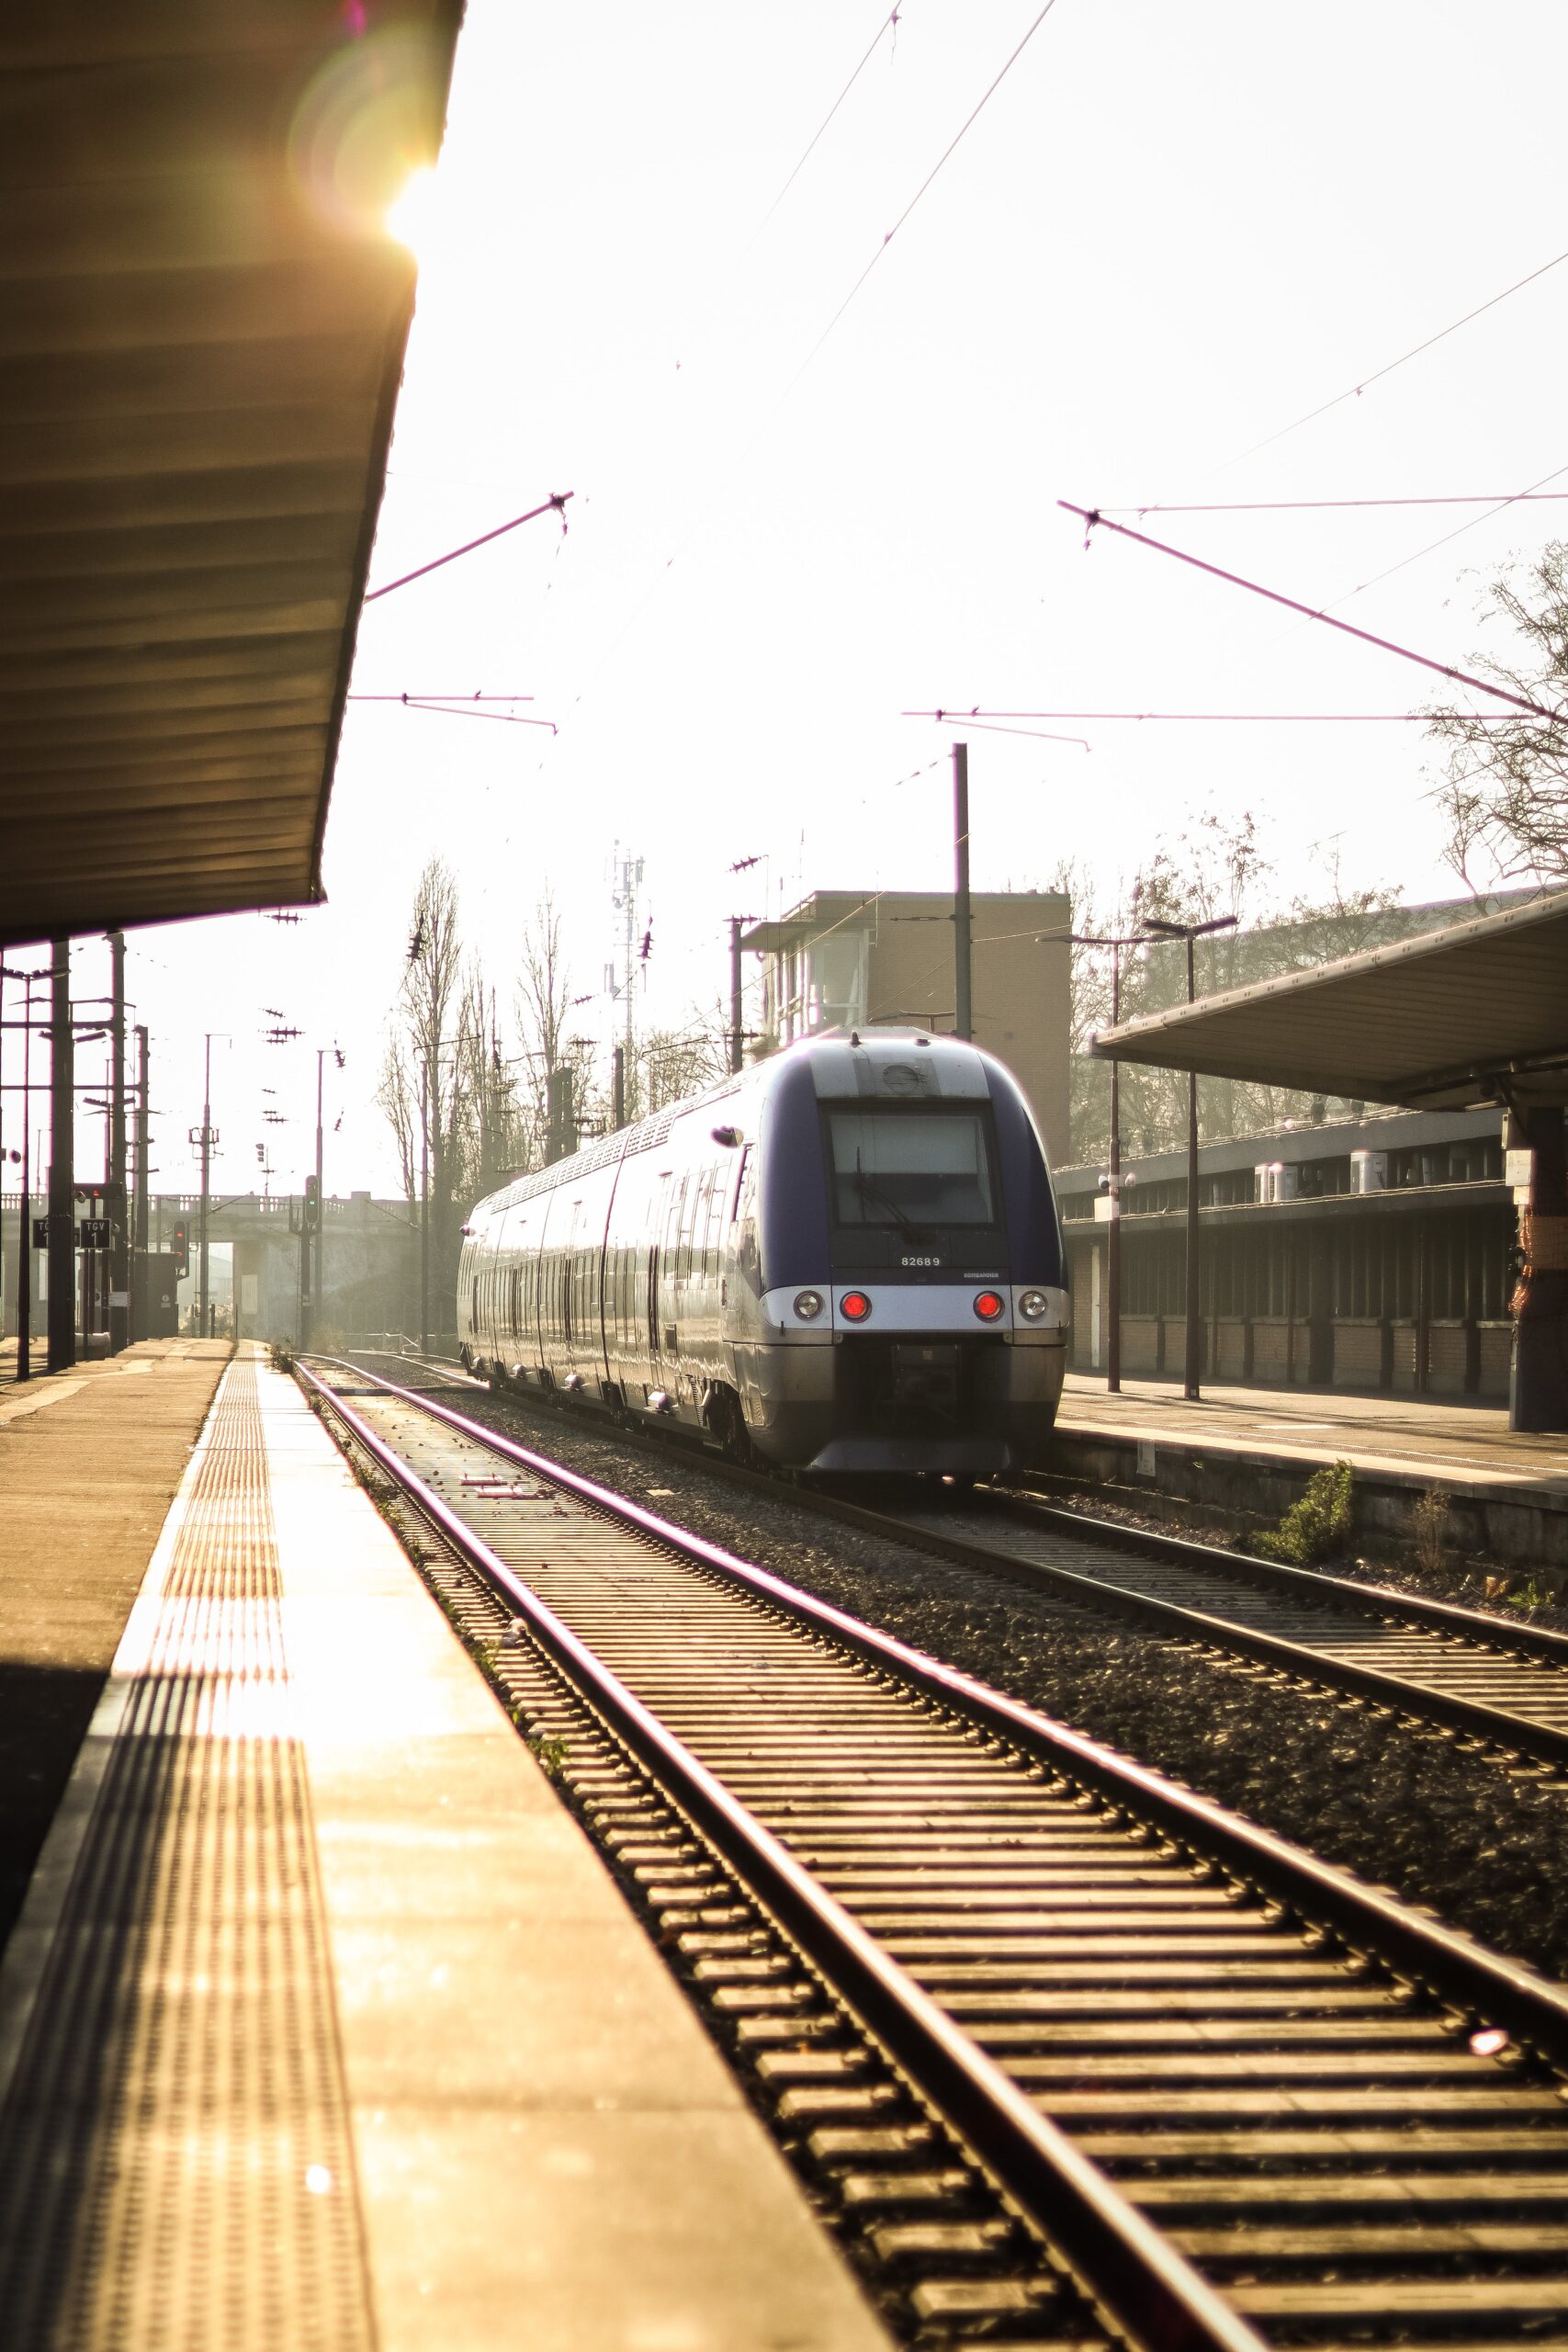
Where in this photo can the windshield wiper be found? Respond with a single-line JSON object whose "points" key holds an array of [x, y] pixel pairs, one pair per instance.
{"points": [[868, 1190]]}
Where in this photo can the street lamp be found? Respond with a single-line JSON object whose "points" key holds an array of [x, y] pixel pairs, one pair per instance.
{"points": [[1193, 1353]]}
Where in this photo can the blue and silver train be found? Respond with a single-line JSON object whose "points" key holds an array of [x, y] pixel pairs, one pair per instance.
{"points": [[846, 1258]]}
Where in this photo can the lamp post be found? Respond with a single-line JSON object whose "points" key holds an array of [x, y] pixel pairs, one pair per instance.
{"points": [[1193, 1364]]}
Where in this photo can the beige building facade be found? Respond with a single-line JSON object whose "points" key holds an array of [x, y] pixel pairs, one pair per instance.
{"points": [[844, 959]]}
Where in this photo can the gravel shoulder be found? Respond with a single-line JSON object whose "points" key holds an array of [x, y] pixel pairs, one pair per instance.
{"points": [[1486, 1849]]}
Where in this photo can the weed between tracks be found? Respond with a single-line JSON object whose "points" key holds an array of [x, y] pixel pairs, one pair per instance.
{"points": [[1318, 1526]]}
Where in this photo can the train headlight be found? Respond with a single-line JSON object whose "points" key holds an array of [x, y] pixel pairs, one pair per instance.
{"points": [[1034, 1303], [809, 1305], [855, 1305], [988, 1305]]}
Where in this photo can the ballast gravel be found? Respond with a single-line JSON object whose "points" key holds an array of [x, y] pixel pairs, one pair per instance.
{"points": [[1400, 1806]]}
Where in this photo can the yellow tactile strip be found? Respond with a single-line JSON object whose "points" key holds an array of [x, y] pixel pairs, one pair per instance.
{"points": [[176, 2163]]}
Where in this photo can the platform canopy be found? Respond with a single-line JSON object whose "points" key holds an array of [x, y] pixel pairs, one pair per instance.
{"points": [[202, 325], [1475, 1013]]}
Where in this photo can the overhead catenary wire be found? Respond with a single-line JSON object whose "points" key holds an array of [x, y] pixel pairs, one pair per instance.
{"points": [[1354, 392], [1090, 516], [458, 710], [979, 717], [889, 23], [1342, 505], [669, 564], [1433, 545], [950, 150]]}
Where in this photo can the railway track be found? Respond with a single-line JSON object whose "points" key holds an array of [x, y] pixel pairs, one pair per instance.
{"points": [[1233, 2094], [1502, 1687]]}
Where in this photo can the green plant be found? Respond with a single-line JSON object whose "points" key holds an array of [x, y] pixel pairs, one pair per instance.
{"points": [[1315, 1527], [548, 1750], [1429, 1527]]}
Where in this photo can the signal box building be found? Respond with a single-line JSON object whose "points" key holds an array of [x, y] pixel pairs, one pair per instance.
{"points": [[844, 958]]}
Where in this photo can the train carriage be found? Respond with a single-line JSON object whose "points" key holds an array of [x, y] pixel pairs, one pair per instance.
{"points": [[846, 1258]]}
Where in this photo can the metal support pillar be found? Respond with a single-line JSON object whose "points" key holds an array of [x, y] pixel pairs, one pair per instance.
{"points": [[25, 1237], [1114, 1232], [137, 1207], [206, 1187], [618, 1089], [1193, 1353], [961, 1023], [119, 1205], [424, 1205], [61, 1165], [317, 1287]]}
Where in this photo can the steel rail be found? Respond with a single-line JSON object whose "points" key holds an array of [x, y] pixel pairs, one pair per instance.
{"points": [[1124, 2264], [1483, 1985], [1381, 1600], [1516, 1734]]}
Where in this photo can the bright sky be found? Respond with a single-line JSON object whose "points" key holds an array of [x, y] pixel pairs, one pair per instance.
{"points": [[1168, 234]]}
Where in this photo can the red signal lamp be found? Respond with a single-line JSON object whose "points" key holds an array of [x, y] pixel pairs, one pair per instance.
{"points": [[988, 1305], [855, 1305]]}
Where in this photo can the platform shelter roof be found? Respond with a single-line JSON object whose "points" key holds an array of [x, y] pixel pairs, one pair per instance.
{"points": [[1475, 1013], [202, 325]]}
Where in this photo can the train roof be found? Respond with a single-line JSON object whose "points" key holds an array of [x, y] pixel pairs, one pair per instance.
{"points": [[871, 1063]]}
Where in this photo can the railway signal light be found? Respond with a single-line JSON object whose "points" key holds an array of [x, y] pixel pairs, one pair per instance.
{"points": [[179, 1245], [312, 1206]]}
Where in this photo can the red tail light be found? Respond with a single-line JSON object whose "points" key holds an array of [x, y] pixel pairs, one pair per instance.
{"points": [[855, 1304], [987, 1305]]}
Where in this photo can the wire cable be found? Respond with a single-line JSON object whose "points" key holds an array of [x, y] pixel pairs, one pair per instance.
{"points": [[889, 22], [1090, 516], [977, 717], [952, 147], [1354, 392], [1339, 506]]}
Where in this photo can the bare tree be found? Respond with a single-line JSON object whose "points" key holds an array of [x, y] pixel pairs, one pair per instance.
{"points": [[1505, 791], [421, 1089], [676, 1062], [1215, 867], [552, 1053]]}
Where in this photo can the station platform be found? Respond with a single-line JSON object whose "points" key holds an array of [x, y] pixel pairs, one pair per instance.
{"points": [[321, 2022], [1254, 1449]]}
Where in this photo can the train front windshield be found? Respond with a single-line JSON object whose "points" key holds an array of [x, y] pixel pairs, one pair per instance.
{"points": [[901, 1168]]}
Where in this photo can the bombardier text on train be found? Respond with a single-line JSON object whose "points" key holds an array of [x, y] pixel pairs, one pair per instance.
{"points": [[846, 1258]]}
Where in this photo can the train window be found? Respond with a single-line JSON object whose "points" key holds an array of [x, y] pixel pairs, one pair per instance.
{"points": [[896, 1168]]}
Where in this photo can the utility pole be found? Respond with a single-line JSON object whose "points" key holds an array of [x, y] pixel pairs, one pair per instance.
{"points": [[61, 1165], [1113, 1239], [963, 1024], [321, 1206], [1193, 1353], [142, 1137], [207, 1140], [618, 1085], [119, 1255], [736, 1020], [139, 1235], [25, 1237], [424, 1205]]}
